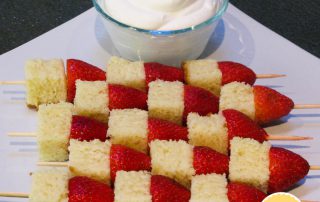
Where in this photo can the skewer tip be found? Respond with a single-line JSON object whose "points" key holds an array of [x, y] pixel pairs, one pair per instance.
{"points": [[306, 106], [14, 194], [270, 76], [288, 138], [314, 168]]}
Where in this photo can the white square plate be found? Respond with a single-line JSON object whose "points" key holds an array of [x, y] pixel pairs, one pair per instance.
{"points": [[239, 38]]}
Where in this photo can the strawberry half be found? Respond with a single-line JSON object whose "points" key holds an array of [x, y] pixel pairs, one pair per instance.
{"points": [[238, 192], [200, 101], [122, 97], [207, 160], [156, 71], [85, 189], [127, 159], [239, 125], [77, 69], [232, 71], [286, 169], [87, 129], [165, 130], [270, 105], [164, 189]]}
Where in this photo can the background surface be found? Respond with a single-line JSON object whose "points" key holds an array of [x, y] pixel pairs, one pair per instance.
{"points": [[23, 20]]}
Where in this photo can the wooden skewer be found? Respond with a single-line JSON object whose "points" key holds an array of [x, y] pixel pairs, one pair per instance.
{"points": [[14, 194], [65, 164], [22, 134], [25, 195], [306, 106], [290, 138], [269, 76], [314, 167], [54, 164], [259, 76], [12, 82], [270, 137], [308, 201]]}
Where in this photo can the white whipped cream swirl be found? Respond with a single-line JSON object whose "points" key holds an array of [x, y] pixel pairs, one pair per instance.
{"points": [[160, 14]]}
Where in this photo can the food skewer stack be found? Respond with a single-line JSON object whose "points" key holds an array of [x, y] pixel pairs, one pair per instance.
{"points": [[107, 133]]}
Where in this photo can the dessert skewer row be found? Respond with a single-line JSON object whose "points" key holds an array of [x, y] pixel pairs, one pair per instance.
{"points": [[133, 128], [267, 168], [134, 186], [173, 101], [46, 79]]}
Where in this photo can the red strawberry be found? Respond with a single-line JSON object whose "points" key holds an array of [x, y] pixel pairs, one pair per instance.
{"points": [[239, 125], [122, 97], [238, 192], [270, 105], [85, 189], [165, 130], [87, 129], [164, 189], [286, 169], [199, 100], [232, 71], [156, 71], [127, 159], [77, 69], [207, 160]]}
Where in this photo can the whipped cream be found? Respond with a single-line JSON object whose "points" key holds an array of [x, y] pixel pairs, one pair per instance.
{"points": [[160, 14]]}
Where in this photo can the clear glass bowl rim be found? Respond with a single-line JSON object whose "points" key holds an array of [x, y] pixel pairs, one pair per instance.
{"points": [[216, 17]]}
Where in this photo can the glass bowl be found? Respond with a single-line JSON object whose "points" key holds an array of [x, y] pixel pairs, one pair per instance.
{"points": [[167, 47]]}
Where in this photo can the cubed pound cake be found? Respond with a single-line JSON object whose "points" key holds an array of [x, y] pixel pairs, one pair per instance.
{"points": [[209, 188], [210, 131], [45, 82], [173, 159], [166, 100], [127, 73], [132, 186], [54, 124], [249, 162], [49, 184], [129, 127], [204, 74], [238, 96], [90, 159], [91, 99]]}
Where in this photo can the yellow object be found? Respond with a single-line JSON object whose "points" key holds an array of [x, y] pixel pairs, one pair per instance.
{"points": [[281, 197]]}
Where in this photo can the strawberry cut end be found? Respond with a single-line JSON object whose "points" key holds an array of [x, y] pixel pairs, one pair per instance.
{"points": [[165, 130], [85, 189], [87, 129], [164, 189], [207, 160], [200, 101], [240, 125], [122, 97], [154, 71], [286, 169], [232, 71], [270, 105], [77, 69], [238, 192], [127, 159]]}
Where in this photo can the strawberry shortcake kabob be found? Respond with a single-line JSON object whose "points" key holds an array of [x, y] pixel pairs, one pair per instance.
{"points": [[58, 185], [46, 81]]}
